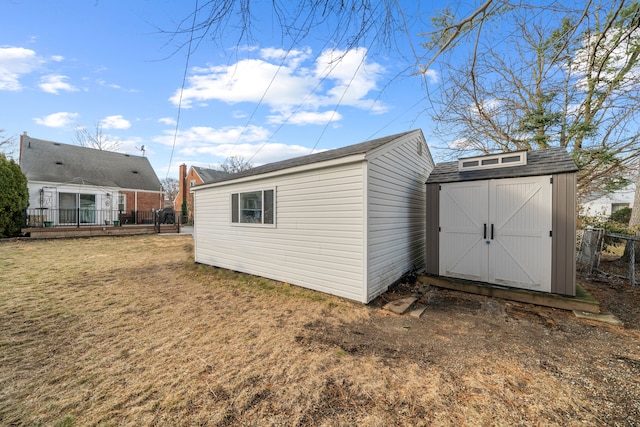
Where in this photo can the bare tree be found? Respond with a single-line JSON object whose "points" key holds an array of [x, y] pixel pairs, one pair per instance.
{"points": [[344, 22], [234, 164], [171, 188], [7, 144], [553, 84], [98, 140]]}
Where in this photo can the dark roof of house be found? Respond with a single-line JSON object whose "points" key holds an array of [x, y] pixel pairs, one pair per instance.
{"points": [[540, 162], [49, 161], [361, 148], [210, 175]]}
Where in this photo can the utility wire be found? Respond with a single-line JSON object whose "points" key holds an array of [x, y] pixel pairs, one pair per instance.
{"points": [[184, 79]]}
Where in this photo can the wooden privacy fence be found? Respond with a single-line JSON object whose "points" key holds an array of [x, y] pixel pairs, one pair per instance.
{"points": [[590, 244]]}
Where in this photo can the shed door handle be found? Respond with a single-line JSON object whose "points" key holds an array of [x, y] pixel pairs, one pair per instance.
{"points": [[485, 232], [491, 231]]}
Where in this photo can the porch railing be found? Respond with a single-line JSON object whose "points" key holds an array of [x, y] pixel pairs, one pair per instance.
{"points": [[79, 217]]}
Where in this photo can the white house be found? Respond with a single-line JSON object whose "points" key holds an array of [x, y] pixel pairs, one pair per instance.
{"points": [[71, 185], [603, 205], [349, 222]]}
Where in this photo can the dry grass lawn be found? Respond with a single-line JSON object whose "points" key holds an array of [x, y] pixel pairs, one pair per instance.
{"points": [[129, 331]]}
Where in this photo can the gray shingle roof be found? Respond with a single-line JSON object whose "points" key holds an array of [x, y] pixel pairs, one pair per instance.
{"points": [[540, 162], [49, 161], [361, 148], [210, 175]]}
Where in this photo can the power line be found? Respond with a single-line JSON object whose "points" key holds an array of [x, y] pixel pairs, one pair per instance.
{"points": [[184, 79]]}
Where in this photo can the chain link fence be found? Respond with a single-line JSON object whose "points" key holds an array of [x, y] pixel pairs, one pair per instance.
{"points": [[594, 243]]}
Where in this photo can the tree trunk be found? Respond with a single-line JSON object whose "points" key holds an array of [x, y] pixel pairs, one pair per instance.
{"points": [[634, 224]]}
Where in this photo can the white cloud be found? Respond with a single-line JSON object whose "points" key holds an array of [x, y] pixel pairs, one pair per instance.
{"points": [[293, 58], [432, 76], [246, 81], [206, 136], [57, 58], [306, 117], [14, 63], [169, 121], [55, 83], [282, 82], [102, 82], [266, 153], [56, 120], [115, 122], [489, 106]]}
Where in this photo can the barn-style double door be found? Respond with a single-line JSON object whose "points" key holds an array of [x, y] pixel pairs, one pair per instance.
{"points": [[497, 231]]}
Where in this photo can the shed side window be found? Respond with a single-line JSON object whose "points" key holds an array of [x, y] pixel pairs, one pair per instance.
{"points": [[253, 207]]}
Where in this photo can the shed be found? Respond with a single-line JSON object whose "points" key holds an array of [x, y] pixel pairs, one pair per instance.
{"points": [[506, 219], [348, 222]]}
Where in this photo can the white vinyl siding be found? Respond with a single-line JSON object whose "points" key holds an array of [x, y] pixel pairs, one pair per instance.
{"points": [[350, 226], [396, 213], [318, 241]]}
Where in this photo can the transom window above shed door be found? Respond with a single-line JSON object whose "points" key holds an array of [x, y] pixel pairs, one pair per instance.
{"points": [[253, 207]]}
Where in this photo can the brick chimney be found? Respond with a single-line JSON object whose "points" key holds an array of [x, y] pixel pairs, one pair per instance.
{"points": [[23, 137]]}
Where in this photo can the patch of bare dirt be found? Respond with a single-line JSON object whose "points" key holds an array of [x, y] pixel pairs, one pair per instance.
{"points": [[464, 334], [610, 285]]}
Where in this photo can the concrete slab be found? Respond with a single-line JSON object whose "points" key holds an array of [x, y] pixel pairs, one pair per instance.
{"points": [[417, 311], [400, 306], [599, 317]]}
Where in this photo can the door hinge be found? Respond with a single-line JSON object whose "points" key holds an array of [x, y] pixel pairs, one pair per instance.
{"points": [[550, 233], [440, 187], [439, 228], [551, 180]]}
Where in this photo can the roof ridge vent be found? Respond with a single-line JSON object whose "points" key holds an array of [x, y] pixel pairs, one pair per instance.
{"points": [[493, 161]]}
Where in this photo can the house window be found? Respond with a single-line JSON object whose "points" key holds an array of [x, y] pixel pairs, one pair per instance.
{"points": [[615, 207], [72, 204], [192, 183], [122, 202], [68, 208], [503, 160], [253, 207]]}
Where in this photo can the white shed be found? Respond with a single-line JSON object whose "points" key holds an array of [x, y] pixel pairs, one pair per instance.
{"points": [[506, 219], [349, 222]]}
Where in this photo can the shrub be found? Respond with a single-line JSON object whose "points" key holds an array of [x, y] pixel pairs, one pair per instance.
{"points": [[621, 216], [14, 197]]}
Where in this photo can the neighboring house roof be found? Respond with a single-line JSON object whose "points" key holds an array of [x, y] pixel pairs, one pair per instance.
{"points": [[539, 162], [49, 161], [362, 148], [209, 175]]}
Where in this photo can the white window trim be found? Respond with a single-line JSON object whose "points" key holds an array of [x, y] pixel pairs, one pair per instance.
{"points": [[503, 160], [250, 224], [123, 197]]}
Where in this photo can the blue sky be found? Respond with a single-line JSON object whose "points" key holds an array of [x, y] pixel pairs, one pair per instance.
{"points": [[65, 64]]}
